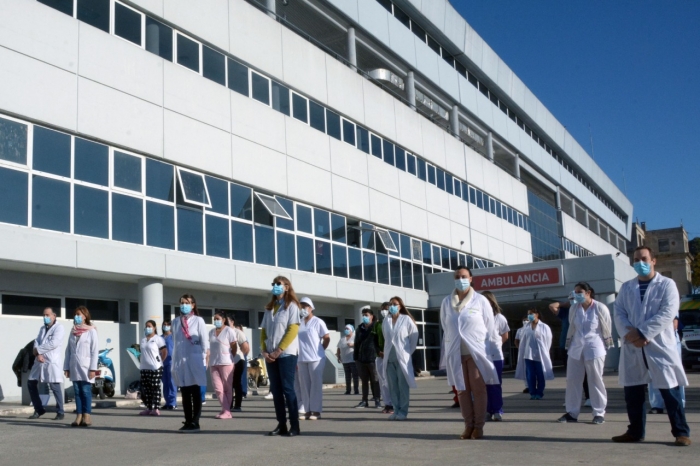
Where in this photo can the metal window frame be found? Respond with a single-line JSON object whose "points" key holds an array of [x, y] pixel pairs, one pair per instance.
{"points": [[182, 187], [264, 198]]}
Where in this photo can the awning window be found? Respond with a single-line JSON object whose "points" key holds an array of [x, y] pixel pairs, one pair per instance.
{"points": [[273, 206], [193, 187]]}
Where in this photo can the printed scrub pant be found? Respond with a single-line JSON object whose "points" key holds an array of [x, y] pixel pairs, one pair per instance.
{"points": [[150, 387]]}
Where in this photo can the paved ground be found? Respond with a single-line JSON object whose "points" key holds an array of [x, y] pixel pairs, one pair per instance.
{"points": [[529, 435]]}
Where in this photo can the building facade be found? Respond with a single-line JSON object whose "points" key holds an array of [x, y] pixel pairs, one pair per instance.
{"points": [[150, 148]]}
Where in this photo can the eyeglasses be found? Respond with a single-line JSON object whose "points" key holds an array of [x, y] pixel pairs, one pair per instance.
{"points": [[277, 283]]}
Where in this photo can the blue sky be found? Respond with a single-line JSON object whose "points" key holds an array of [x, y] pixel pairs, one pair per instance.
{"points": [[630, 70]]}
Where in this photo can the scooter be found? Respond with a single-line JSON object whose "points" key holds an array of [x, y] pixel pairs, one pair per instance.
{"points": [[104, 381]]}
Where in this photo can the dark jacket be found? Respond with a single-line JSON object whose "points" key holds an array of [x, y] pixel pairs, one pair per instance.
{"points": [[366, 347], [24, 361]]}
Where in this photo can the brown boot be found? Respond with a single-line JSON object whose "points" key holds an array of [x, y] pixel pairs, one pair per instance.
{"points": [[477, 434], [87, 421], [682, 442], [77, 421], [467, 434]]}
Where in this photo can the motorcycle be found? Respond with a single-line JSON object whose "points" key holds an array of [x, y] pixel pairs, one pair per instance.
{"points": [[104, 381]]}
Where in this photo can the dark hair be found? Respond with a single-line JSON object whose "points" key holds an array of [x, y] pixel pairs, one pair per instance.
{"points": [[464, 267], [492, 300], [651, 251], [586, 287], [402, 308], [165, 322], [86, 314], [385, 305], [224, 318], [189, 297], [534, 311], [153, 324], [288, 296], [368, 310]]}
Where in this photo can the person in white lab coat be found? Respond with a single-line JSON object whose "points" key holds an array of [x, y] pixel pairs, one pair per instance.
{"points": [[587, 340], [467, 320], [644, 313], [153, 353], [80, 364], [313, 341], [494, 406], [345, 354], [379, 361], [656, 402], [400, 340], [190, 346], [516, 342], [48, 349], [534, 361]]}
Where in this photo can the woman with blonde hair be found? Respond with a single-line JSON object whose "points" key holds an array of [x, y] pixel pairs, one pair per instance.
{"points": [[80, 364], [494, 405]]}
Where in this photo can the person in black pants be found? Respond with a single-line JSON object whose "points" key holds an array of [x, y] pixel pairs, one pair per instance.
{"points": [[239, 365], [365, 355]]}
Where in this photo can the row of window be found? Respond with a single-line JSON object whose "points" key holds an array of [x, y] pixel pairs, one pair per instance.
{"points": [[544, 228], [575, 249], [573, 208]]}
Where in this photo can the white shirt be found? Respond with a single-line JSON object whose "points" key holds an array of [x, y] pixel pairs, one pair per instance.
{"points": [[150, 353], [310, 335], [241, 338], [346, 351], [500, 327], [587, 340], [220, 346]]}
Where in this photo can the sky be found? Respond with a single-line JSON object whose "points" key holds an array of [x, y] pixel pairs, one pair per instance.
{"points": [[626, 72]]}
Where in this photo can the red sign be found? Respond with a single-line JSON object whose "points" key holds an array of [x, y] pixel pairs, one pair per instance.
{"points": [[523, 279]]}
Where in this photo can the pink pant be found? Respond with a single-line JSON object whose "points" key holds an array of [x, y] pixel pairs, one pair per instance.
{"points": [[222, 378]]}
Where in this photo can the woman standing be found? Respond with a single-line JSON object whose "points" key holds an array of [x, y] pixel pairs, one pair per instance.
{"points": [[400, 340], [587, 341], [153, 353], [534, 363], [346, 348], [313, 341], [494, 406], [169, 388], [80, 364], [190, 346], [223, 342], [280, 346], [240, 380]]}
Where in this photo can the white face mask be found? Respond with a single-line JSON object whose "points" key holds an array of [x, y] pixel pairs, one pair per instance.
{"points": [[385, 313], [303, 313]]}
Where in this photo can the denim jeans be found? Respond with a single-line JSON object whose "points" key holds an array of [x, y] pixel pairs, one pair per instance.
{"points": [[535, 377], [495, 392], [56, 388], [281, 374], [636, 411], [169, 388], [398, 386], [83, 397]]}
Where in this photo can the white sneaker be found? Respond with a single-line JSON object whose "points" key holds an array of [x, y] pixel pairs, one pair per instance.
{"points": [[587, 403], [268, 396], [392, 417], [400, 417]]}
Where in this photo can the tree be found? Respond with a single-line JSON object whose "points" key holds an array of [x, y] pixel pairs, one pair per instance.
{"points": [[694, 246]]}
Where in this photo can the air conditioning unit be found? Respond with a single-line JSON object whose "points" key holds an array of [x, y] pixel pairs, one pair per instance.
{"points": [[471, 134], [431, 106], [387, 77]]}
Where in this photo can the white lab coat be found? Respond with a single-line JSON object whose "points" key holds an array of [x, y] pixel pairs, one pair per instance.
{"points": [[403, 338], [81, 356], [543, 334], [473, 329], [49, 344], [654, 319], [189, 356]]}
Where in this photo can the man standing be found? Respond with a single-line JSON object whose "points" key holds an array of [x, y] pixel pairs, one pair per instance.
{"points": [[644, 313], [365, 358], [48, 365]]}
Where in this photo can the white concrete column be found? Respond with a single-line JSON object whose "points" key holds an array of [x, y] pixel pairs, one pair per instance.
{"points": [[454, 120], [352, 48], [150, 302], [489, 145], [271, 8], [411, 89]]}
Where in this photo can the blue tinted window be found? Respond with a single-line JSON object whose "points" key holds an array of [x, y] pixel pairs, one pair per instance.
{"points": [[427, 257], [237, 77], [127, 219], [473, 198], [405, 247], [159, 180], [91, 212], [395, 271], [241, 202], [431, 174], [289, 207], [448, 183], [305, 254], [127, 24], [159, 38], [349, 132], [407, 274], [411, 164], [213, 65], [322, 224], [242, 241], [458, 187], [355, 263], [317, 116], [280, 98], [422, 171], [286, 252], [338, 227], [218, 243], [94, 13], [160, 225], [400, 158], [264, 245], [64, 6], [367, 236], [441, 179], [383, 269], [363, 139], [51, 151], [13, 141], [190, 235], [299, 110], [453, 260], [388, 152], [127, 171], [369, 266], [218, 195], [187, 53], [50, 204], [376, 143], [437, 258], [304, 219], [323, 257], [446, 259], [417, 276], [261, 88], [14, 191], [340, 261], [91, 162], [333, 124]]}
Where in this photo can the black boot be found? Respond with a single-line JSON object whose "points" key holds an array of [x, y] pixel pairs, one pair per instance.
{"points": [[281, 429]]}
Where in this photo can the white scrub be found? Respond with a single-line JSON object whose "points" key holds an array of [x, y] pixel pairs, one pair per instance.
{"points": [[81, 356], [240, 340], [188, 367], [402, 337], [346, 351], [312, 360], [150, 353], [534, 345], [49, 344], [495, 343], [220, 346]]}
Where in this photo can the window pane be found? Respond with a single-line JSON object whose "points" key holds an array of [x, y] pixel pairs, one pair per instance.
{"points": [[383, 269], [28, 305], [218, 195], [411, 164], [50, 204], [127, 171], [289, 207], [237, 77], [400, 158], [395, 271], [190, 236], [355, 263], [64, 6], [395, 239], [91, 212], [213, 65], [401, 16], [51, 151], [91, 162], [261, 88], [323, 257], [338, 227], [304, 219], [349, 132], [422, 173], [286, 253], [218, 244], [322, 224], [264, 245], [340, 261], [407, 274], [448, 183], [159, 180], [280, 98], [417, 276], [457, 187], [160, 225], [418, 31], [446, 259], [431, 174], [437, 258], [127, 23], [441, 179], [432, 43], [94, 13], [405, 247], [188, 53], [453, 260], [242, 241], [159, 39], [333, 124], [427, 257], [241, 202], [369, 266], [376, 143], [367, 236], [193, 187], [261, 214], [363, 139], [14, 191], [317, 116], [299, 110], [13, 141], [388, 152], [127, 219]]}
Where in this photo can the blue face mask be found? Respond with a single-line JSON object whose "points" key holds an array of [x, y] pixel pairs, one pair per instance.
{"points": [[185, 308], [218, 323], [393, 309], [346, 332], [278, 290], [579, 298], [148, 330], [365, 320], [47, 320], [531, 317], [643, 269], [78, 320], [462, 284], [166, 328]]}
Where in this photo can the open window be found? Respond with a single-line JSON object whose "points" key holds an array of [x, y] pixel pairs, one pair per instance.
{"points": [[193, 187], [479, 263], [273, 206], [386, 240]]}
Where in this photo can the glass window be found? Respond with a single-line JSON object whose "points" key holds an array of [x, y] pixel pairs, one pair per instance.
{"points": [[417, 277], [402, 17], [64, 6], [28, 305], [127, 171], [395, 271], [448, 58], [418, 31], [51, 152], [472, 79], [127, 219], [190, 236], [218, 194], [436, 256], [416, 250], [159, 38], [305, 254], [300, 108], [287, 205], [160, 225], [383, 269], [348, 132], [440, 179], [99, 309], [400, 158], [264, 245], [213, 65], [50, 204], [333, 124], [465, 191], [457, 187], [304, 219], [462, 259], [272, 206], [388, 152], [453, 260], [422, 169], [369, 266], [405, 246], [159, 180], [376, 145], [340, 261], [355, 263], [237, 77], [280, 98], [127, 23], [446, 259], [367, 236], [13, 141], [317, 116], [91, 212], [14, 190], [427, 256], [472, 195], [91, 162], [432, 43], [218, 243], [261, 214], [242, 241], [194, 187], [394, 250], [449, 183], [431, 174], [363, 139], [261, 88], [411, 164], [480, 199], [338, 228], [461, 69], [94, 13], [187, 53], [492, 205], [241, 202], [286, 252], [322, 224], [323, 257]]}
